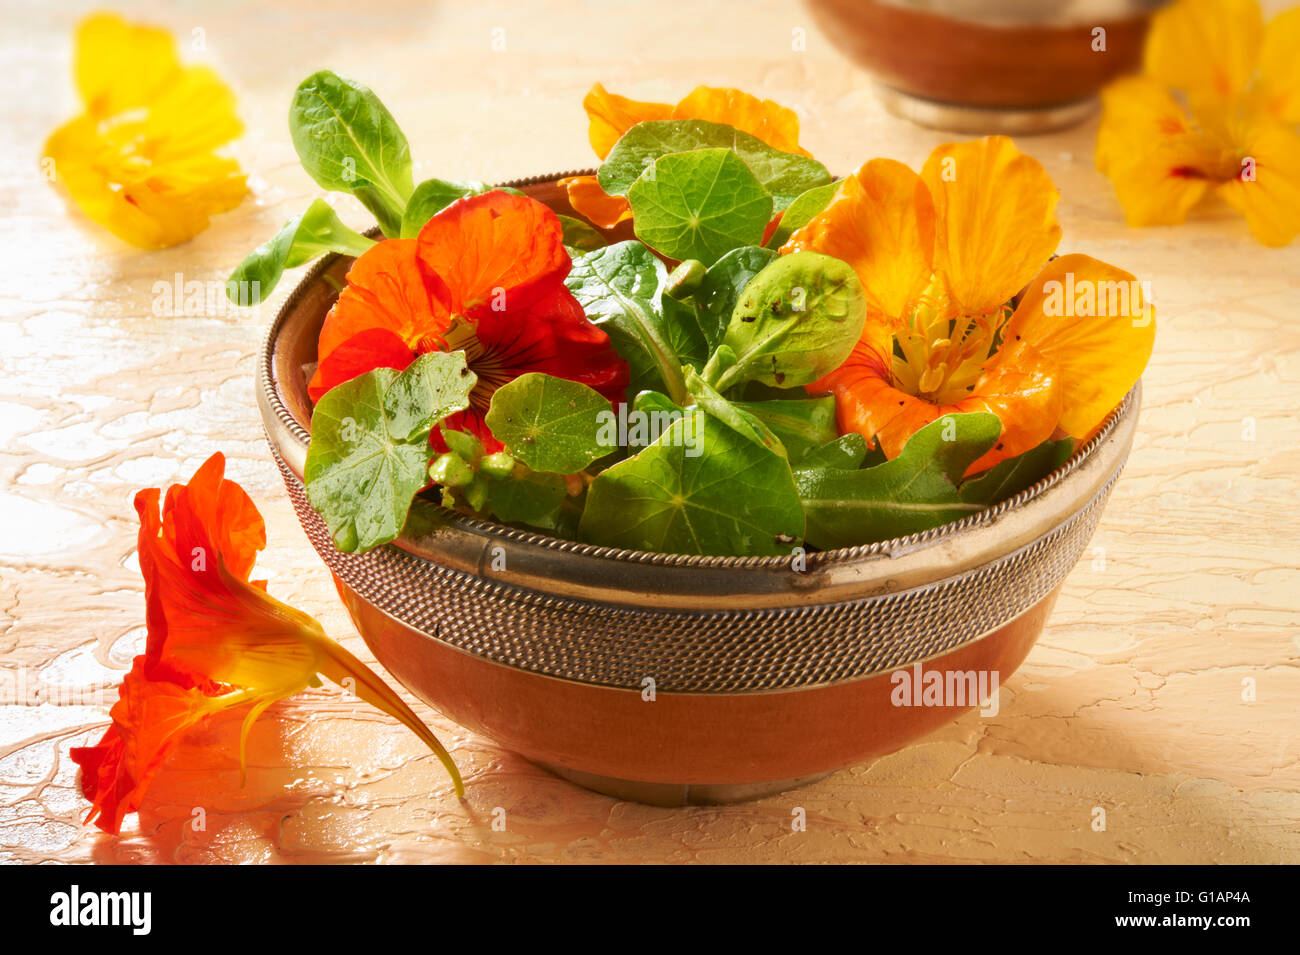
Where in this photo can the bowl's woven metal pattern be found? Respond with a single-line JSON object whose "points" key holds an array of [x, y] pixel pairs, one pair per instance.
{"points": [[722, 652]]}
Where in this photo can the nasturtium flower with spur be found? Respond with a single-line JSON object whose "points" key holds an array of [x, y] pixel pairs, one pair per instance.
{"points": [[942, 255], [216, 640], [776, 360], [140, 160], [610, 116], [1214, 111]]}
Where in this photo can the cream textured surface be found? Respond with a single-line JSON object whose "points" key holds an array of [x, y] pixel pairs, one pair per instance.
{"points": [[1131, 702]]}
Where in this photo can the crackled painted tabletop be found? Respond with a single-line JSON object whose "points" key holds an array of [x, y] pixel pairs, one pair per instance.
{"points": [[1164, 692]]}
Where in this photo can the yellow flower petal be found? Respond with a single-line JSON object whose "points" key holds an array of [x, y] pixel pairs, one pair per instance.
{"points": [[882, 223], [1208, 48], [140, 161], [996, 220], [1278, 87], [119, 65], [195, 114], [771, 122], [1160, 167], [1091, 322], [152, 206], [610, 116], [1021, 387], [1271, 200]]}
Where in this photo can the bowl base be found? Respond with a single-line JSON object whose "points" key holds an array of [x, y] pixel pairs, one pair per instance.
{"points": [[676, 794], [983, 120]]}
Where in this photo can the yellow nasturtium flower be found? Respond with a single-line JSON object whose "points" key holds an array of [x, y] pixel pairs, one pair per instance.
{"points": [[1215, 110], [139, 160]]}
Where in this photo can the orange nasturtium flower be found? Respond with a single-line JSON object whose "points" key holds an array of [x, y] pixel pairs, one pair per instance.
{"points": [[611, 115], [139, 160], [216, 640], [941, 255], [1215, 110], [486, 276]]}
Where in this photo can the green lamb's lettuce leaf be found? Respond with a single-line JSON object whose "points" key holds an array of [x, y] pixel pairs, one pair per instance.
{"points": [[1013, 475], [917, 490], [702, 488], [349, 142], [370, 445], [550, 424], [802, 211], [654, 401], [784, 175], [433, 195], [699, 205], [620, 287], [301, 239], [733, 415], [800, 424], [719, 289], [847, 452], [796, 321]]}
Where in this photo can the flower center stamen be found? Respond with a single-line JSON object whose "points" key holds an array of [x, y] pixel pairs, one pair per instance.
{"points": [[941, 354], [487, 364]]}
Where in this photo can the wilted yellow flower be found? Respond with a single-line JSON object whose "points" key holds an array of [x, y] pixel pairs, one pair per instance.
{"points": [[1214, 111], [140, 160]]}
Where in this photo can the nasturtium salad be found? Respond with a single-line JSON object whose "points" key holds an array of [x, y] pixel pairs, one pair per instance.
{"points": [[722, 349]]}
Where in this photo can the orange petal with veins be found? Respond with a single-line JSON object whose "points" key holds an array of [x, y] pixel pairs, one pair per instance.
{"points": [[996, 222], [882, 223]]}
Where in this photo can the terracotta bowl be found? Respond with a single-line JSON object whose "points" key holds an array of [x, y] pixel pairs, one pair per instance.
{"points": [[982, 66], [676, 679]]}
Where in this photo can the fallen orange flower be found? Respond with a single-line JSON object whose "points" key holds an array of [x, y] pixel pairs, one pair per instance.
{"points": [[486, 275], [610, 116], [1232, 133], [216, 641], [941, 255], [139, 160]]}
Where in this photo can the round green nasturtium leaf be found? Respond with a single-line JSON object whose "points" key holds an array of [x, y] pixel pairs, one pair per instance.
{"points": [[785, 176], [699, 205], [550, 424], [369, 452], [701, 488]]}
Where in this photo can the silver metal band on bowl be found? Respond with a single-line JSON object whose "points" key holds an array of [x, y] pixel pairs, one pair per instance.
{"points": [[694, 651]]}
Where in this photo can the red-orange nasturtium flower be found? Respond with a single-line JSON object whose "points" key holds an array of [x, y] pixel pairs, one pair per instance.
{"points": [[485, 275], [216, 640], [610, 116], [940, 256]]}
